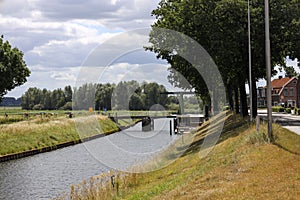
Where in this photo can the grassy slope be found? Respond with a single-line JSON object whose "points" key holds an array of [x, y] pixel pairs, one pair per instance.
{"points": [[44, 132], [241, 166]]}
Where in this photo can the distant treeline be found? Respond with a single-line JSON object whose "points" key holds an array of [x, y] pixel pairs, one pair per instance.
{"points": [[43, 99], [123, 96], [10, 101]]}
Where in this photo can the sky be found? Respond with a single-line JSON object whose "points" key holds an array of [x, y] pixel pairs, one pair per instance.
{"points": [[58, 36]]}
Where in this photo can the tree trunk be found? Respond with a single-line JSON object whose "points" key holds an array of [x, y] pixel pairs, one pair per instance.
{"points": [[254, 98], [230, 99], [236, 99], [215, 104], [243, 99]]}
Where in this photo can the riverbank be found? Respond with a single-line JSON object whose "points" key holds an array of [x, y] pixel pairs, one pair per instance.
{"points": [[38, 135], [241, 166]]}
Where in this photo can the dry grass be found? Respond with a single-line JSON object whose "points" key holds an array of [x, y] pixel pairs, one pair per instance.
{"points": [[241, 166]]}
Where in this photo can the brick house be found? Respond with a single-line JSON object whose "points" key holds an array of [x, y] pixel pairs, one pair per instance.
{"points": [[285, 91]]}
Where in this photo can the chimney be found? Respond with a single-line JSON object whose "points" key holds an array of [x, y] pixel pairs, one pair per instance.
{"points": [[280, 77]]}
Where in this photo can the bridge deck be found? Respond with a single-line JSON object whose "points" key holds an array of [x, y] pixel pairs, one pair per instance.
{"points": [[141, 116]]}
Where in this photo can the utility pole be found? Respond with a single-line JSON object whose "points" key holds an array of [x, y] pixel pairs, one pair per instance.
{"points": [[268, 65], [250, 73]]}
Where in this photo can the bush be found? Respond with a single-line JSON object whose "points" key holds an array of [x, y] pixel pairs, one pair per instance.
{"points": [[38, 107], [288, 110], [173, 106], [277, 109], [67, 106], [226, 108]]}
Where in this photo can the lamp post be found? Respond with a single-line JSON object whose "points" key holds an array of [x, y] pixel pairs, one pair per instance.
{"points": [[250, 73], [268, 65]]}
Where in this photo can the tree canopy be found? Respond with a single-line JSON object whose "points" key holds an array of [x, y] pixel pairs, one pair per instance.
{"points": [[123, 96], [290, 71], [220, 26], [13, 70]]}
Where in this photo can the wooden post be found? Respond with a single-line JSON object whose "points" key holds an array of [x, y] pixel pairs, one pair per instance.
{"points": [[170, 127], [257, 123], [116, 117]]}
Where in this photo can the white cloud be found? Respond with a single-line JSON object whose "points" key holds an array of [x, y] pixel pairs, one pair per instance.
{"points": [[57, 36], [64, 76], [112, 13]]}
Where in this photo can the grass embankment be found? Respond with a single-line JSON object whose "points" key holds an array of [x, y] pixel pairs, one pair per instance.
{"points": [[40, 132], [241, 166]]}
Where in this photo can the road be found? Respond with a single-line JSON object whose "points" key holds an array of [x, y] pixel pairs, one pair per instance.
{"points": [[288, 121]]}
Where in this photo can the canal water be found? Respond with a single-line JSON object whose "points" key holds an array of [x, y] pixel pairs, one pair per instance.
{"points": [[47, 175]]}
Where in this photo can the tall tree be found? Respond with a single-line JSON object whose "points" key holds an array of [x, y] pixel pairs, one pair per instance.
{"points": [[13, 70], [68, 93], [220, 26], [154, 94], [121, 96], [136, 102], [103, 96]]}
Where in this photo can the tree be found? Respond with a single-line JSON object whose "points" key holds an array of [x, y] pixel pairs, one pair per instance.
{"points": [[154, 94], [136, 102], [13, 70], [84, 96], [221, 28], [47, 100], [68, 93], [32, 97], [103, 96], [121, 96], [290, 71]]}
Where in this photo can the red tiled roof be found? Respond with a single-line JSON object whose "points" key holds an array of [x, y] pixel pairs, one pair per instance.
{"points": [[279, 83]]}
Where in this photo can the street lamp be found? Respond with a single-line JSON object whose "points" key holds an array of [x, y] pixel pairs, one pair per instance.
{"points": [[268, 65], [250, 73]]}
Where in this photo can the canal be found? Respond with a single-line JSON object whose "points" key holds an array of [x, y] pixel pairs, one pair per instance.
{"points": [[48, 175]]}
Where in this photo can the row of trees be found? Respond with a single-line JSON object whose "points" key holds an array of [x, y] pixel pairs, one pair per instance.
{"points": [[123, 96], [43, 99], [220, 26], [126, 95]]}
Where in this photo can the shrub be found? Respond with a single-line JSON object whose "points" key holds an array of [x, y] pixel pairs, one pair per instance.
{"points": [[277, 109], [67, 106], [288, 110], [257, 138], [226, 108], [38, 107]]}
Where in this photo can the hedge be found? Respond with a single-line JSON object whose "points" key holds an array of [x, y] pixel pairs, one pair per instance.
{"points": [[277, 109]]}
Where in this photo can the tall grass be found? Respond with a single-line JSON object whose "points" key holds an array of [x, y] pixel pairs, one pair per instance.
{"points": [[11, 119], [39, 132]]}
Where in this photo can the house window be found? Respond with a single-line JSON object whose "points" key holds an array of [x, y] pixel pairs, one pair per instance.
{"points": [[291, 92], [285, 92]]}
